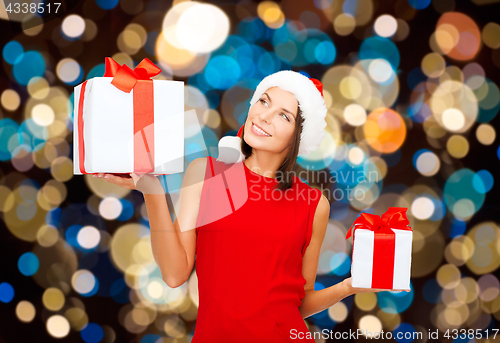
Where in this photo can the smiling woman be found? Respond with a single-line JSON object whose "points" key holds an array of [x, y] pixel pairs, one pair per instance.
{"points": [[255, 273]]}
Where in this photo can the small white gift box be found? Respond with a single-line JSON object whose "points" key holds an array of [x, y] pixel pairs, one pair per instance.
{"points": [[381, 253], [116, 131]]}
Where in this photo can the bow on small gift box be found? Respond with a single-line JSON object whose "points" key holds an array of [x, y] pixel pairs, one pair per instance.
{"points": [[144, 124], [376, 261], [125, 78]]}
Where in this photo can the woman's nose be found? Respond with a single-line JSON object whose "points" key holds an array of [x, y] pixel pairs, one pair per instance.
{"points": [[266, 116]]}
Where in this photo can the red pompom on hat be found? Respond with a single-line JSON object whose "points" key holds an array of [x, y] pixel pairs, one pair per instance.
{"points": [[309, 94]]}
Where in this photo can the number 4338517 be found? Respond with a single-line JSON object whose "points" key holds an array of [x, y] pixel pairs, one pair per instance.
{"points": [[471, 333], [25, 7]]}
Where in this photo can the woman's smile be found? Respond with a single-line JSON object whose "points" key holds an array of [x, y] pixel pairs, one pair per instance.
{"points": [[259, 132]]}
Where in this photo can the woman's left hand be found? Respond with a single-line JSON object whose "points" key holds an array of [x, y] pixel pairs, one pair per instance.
{"points": [[354, 290]]}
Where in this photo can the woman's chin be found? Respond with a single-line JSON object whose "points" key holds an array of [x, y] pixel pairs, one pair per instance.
{"points": [[261, 145], [258, 143]]}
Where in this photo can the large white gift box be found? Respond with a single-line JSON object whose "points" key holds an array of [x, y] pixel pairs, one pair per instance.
{"points": [[381, 253], [139, 131]]}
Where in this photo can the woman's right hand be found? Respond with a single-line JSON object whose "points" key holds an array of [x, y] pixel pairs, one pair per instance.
{"points": [[145, 183]]}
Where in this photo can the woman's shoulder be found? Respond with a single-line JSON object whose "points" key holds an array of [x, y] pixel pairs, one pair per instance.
{"points": [[199, 163], [196, 170]]}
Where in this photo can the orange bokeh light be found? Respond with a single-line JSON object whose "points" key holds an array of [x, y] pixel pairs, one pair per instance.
{"points": [[468, 42], [385, 130]]}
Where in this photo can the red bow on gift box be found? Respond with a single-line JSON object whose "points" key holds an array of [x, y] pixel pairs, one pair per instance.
{"points": [[125, 78], [394, 217], [385, 241]]}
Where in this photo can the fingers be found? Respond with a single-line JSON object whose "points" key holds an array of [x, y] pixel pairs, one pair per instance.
{"points": [[109, 177], [104, 176]]}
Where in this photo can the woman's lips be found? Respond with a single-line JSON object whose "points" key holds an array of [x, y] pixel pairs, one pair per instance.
{"points": [[257, 132]]}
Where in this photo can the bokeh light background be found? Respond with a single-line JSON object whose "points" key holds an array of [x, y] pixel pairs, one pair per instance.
{"points": [[412, 93]]}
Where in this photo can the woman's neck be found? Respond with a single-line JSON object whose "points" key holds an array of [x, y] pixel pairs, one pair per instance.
{"points": [[262, 167]]}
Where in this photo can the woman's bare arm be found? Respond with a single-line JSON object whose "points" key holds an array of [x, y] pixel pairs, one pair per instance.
{"points": [[317, 301], [174, 244]]}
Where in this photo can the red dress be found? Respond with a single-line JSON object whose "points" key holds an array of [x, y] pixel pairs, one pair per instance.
{"points": [[249, 249]]}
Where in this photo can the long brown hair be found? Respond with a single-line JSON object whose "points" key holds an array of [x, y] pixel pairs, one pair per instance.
{"points": [[285, 172]]}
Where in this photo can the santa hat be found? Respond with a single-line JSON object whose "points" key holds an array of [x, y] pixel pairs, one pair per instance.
{"points": [[309, 94]]}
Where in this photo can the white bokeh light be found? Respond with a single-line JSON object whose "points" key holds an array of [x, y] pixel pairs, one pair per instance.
{"points": [[422, 208], [380, 70], [195, 26], [58, 326], [453, 119], [88, 237], [370, 325], [355, 115], [155, 289], [68, 70], [83, 281], [428, 163], [385, 26], [43, 114], [356, 155], [110, 208], [73, 26]]}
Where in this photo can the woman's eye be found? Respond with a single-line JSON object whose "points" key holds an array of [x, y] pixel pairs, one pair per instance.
{"points": [[286, 117]]}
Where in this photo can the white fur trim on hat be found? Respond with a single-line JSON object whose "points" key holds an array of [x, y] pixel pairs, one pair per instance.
{"points": [[311, 103], [229, 150]]}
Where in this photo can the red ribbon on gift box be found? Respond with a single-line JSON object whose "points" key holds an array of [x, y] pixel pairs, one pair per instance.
{"points": [[384, 241], [127, 79]]}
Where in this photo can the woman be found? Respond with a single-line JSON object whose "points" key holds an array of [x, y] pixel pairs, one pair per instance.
{"points": [[256, 258]]}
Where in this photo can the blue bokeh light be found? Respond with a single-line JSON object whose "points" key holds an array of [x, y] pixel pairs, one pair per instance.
{"points": [[12, 52], [432, 291], [482, 181], [404, 333], [97, 71], [6, 292], [119, 291], [459, 187], [379, 47], [107, 4], [28, 264], [458, 227], [8, 138], [395, 302], [151, 338], [31, 64], [340, 263], [92, 333], [222, 72], [419, 4], [127, 210]]}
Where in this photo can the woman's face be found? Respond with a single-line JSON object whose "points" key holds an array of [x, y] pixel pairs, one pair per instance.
{"points": [[275, 113]]}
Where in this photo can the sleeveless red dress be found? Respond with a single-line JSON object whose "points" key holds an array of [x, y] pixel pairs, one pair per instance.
{"points": [[249, 249]]}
